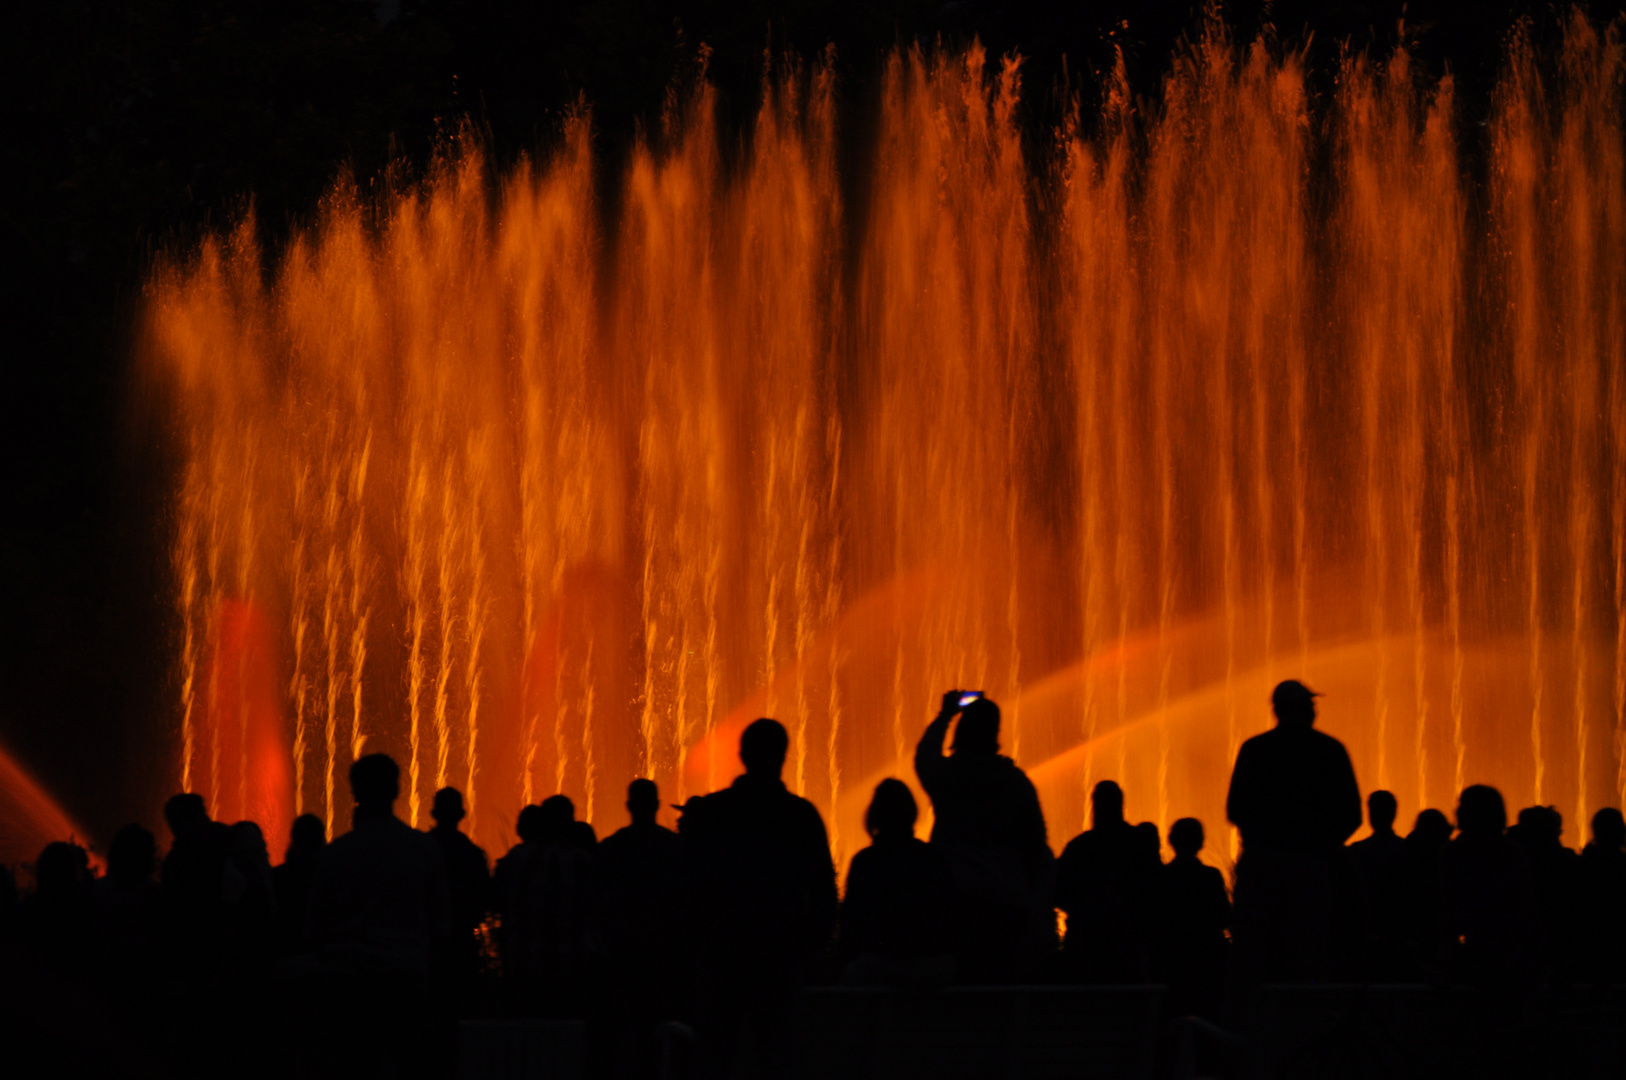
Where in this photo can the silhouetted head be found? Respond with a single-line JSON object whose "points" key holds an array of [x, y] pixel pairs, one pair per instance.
{"points": [[978, 729], [375, 781], [1186, 836], [643, 801], [1381, 809], [762, 748], [448, 808], [1148, 842], [892, 811], [1481, 811], [185, 814], [62, 869], [1294, 703], [1432, 829], [307, 837], [1537, 829], [248, 845], [1609, 829], [557, 817], [529, 825], [1107, 801], [132, 855]]}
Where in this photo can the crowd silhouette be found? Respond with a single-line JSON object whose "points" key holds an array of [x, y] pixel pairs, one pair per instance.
{"points": [[356, 956]]}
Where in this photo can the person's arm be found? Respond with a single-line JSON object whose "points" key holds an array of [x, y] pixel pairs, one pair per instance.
{"points": [[1038, 832], [486, 885], [1039, 858], [857, 906], [1349, 798], [1220, 902], [437, 894], [822, 868], [929, 757], [1239, 800], [1067, 878]]}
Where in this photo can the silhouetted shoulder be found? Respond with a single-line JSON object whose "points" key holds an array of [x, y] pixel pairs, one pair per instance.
{"points": [[807, 814], [385, 832], [380, 897], [1081, 847], [637, 838], [634, 853]]}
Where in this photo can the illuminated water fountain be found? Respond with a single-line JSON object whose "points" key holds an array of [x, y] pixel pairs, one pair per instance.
{"points": [[536, 507]]}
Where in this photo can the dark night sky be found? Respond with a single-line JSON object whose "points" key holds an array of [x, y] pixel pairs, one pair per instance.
{"points": [[136, 125]]}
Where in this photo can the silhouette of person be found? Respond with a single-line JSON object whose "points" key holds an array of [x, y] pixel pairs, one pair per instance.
{"points": [[1490, 930], [380, 907], [251, 903], [1431, 829], [548, 896], [581, 832], [56, 918], [1104, 884], [1384, 847], [1294, 799], [508, 879], [469, 877], [637, 867], [1193, 913], [759, 890], [1554, 872], [192, 879], [1418, 888], [129, 907], [1379, 860], [897, 916], [1151, 844], [292, 880], [54, 972], [1488, 909], [250, 909], [1602, 900], [637, 871], [990, 827], [197, 931]]}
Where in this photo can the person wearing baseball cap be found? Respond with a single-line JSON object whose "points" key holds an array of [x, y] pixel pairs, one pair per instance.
{"points": [[1295, 801]]}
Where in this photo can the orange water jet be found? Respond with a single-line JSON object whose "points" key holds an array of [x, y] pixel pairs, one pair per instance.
{"points": [[537, 507], [29, 817]]}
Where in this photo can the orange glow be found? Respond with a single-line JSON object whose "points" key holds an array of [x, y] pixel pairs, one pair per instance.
{"points": [[1120, 438], [246, 771], [30, 818]]}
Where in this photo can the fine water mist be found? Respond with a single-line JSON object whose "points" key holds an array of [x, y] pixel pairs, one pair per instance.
{"points": [[1247, 387]]}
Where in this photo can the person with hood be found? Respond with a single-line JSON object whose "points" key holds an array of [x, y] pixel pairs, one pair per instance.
{"points": [[992, 830]]}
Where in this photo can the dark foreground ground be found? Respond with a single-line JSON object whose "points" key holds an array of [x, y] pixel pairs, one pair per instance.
{"points": [[1286, 1031]]}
